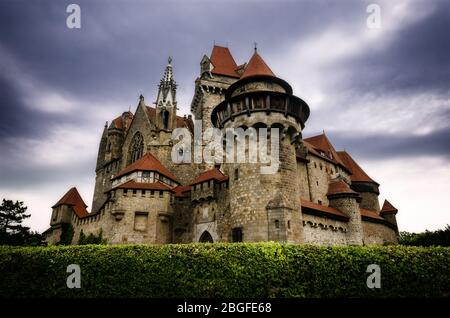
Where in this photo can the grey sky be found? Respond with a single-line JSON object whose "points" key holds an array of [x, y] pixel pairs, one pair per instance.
{"points": [[383, 95]]}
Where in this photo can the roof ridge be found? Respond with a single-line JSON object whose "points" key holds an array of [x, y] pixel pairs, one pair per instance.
{"points": [[142, 164]]}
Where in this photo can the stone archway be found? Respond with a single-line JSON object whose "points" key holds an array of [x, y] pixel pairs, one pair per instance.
{"points": [[206, 238]]}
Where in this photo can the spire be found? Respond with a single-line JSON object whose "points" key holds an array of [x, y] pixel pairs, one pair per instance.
{"points": [[167, 88], [257, 66]]}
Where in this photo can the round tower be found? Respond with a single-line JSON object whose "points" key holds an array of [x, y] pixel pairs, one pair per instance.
{"points": [[264, 204], [343, 198]]}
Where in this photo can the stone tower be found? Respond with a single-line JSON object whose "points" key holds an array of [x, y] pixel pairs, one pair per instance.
{"points": [[217, 73], [264, 207], [166, 104], [346, 200]]}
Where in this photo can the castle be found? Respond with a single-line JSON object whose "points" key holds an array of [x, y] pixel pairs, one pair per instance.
{"points": [[317, 195]]}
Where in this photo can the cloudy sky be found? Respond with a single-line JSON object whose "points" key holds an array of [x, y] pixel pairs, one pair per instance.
{"points": [[382, 94]]}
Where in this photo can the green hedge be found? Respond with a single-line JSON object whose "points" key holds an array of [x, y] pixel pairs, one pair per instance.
{"points": [[224, 270]]}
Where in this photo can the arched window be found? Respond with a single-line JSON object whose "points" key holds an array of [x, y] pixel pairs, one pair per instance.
{"points": [[136, 148], [206, 238], [165, 119]]}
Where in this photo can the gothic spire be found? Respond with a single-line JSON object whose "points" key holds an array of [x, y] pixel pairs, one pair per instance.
{"points": [[167, 88]]}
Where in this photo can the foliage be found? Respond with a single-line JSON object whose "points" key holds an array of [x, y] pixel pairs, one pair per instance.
{"points": [[91, 238], [224, 270], [427, 238], [12, 232], [66, 234]]}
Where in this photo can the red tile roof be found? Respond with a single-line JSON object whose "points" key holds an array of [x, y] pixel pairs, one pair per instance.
{"points": [[388, 208], [213, 174], [147, 163], [370, 214], [257, 66], [358, 174], [143, 186], [339, 187], [322, 143], [119, 122], [322, 208], [180, 191], [223, 62], [73, 199]]}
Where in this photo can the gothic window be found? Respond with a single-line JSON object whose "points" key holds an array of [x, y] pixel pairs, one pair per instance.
{"points": [[165, 119], [137, 148]]}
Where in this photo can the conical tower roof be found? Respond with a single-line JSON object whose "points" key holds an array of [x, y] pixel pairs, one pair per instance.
{"points": [[257, 66]]}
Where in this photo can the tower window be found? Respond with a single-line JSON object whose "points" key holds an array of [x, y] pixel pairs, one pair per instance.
{"points": [[55, 217], [236, 174], [289, 224], [277, 224], [165, 119], [236, 234], [317, 182]]}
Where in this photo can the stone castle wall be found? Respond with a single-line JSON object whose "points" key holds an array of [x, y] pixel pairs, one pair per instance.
{"points": [[324, 231]]}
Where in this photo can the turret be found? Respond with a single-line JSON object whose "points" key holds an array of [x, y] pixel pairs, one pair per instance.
{"points": [[102, 149], [389, 212], [217, 73], [70, 203], [343, 198], [166, 104], [262, 100]]}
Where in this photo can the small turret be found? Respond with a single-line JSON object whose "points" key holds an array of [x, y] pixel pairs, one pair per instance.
{"points": [[102, 149], [343, 198], [389, 212], [70, 203]]}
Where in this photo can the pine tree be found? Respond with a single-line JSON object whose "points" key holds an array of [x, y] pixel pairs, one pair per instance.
{"points": [[12, 215]]}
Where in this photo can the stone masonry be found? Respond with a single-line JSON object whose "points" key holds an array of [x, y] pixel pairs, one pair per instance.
{"points": [[315, 195]]}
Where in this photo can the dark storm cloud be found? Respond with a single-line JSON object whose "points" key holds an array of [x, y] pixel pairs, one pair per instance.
{"points": [[122, 47], [18, 120], [416, 60], [22, 176], [391, 146]]}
